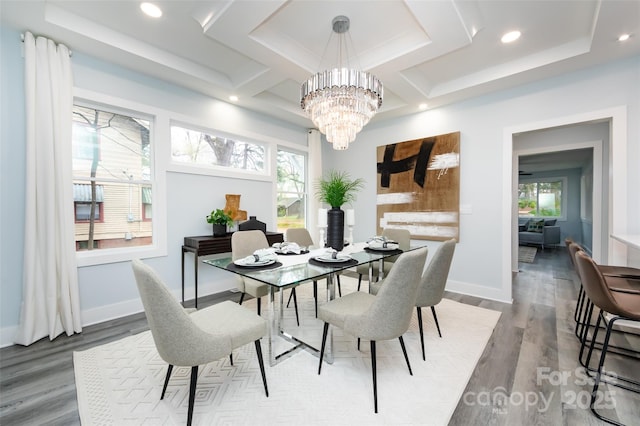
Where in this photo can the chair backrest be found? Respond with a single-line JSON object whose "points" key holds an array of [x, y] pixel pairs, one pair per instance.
{"points": [[300, 236], [573, 249], [244, 243], [434, 278], [567, 243], [390, 314], [595, 285], [174, 333], [402, 236]]}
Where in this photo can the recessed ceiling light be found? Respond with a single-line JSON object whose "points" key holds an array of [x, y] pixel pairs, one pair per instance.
{"points": [[510, 36], [151, 9], [233, 98], [624, 37], [422, 107]]}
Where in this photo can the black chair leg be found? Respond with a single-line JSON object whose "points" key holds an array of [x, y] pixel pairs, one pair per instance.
{"points": [[231, 358], [339, 286], [324, 340], [315, 296], [359, 281], [290, 297], [576, 314], [358, 343], [594, 392], [192, 393], [419, 310], [593, 342], [585, 331], [241, 298], [295, 304], [258, 302], [375, 378], [166, 381], [261, 362], [404, 351], [435, 317]]}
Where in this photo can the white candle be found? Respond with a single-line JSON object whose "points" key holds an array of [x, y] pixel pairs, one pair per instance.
{"points": [[322, 218], [351, 217]]}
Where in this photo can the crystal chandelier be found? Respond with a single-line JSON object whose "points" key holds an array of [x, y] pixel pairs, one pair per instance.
{"points": [[341, 101]]}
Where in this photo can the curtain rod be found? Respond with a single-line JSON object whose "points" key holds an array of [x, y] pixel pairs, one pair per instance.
{"points": [[22, 39]]}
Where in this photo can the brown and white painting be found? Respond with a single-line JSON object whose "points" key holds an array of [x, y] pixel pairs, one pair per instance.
{"points": [[419, 187]]}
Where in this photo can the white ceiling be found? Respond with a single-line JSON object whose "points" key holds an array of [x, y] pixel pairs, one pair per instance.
{"points": [[557, 160], [424, 51]]}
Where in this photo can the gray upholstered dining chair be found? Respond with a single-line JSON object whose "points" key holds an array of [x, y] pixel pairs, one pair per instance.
{"points": [[383, 317], [302, 237], [432, 284], [402, 237], [193, 339], [243, 244]]}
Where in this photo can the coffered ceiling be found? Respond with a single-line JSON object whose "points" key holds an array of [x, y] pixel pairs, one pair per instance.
{"points": [[424, 51]]}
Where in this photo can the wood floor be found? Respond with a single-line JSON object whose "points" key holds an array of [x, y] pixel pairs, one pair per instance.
{"points": [[529, 372]]}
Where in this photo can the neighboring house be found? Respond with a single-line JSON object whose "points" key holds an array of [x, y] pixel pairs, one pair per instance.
{"points": [[290, 207], [123, 206]]}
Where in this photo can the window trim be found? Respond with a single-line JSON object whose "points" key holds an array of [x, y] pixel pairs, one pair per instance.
{"points": [[159, 120], [563, 202]]}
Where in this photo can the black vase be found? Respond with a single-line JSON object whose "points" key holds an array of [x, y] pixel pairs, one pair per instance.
{"points": [[335, 228], [219, 230]]}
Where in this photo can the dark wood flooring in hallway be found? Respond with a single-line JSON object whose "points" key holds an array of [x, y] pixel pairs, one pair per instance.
{"points": [[528, 375]]}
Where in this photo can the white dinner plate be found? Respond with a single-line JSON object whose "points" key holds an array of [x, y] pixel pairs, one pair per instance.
{"points": [[389, 247], [242, 262], [329, 258]]}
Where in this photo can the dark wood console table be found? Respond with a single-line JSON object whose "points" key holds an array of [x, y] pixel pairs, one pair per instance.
{"points": [[208, 244]]}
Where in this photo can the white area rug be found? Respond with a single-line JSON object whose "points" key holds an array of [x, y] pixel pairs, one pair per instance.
{"points": [[527, 254], [120, 383]]}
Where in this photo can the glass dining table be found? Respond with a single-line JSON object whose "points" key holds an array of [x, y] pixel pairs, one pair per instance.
{"points": [[292, 270]]}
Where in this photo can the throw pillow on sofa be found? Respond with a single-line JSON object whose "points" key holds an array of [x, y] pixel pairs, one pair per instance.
{"points": [[550, 222], [523, 226], [535, 226]]}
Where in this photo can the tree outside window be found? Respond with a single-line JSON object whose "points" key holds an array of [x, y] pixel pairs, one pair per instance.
{"points": [[198, 148], [291, 198]]}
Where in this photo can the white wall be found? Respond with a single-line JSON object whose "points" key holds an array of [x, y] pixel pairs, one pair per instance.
{"points": [[479, 266], [482, 260]]}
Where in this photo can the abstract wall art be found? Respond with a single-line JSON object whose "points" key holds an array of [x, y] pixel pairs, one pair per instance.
{"points": [[419, 187]]}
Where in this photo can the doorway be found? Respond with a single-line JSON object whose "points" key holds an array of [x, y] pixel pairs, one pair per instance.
{"points": [[613, 209]]}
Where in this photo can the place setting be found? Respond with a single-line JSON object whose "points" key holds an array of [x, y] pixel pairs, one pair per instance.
{"points": [[331, 257], [260, 259], [379, 244], [288, 248]]}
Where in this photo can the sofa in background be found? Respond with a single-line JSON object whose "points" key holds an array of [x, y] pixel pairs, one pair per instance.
{"points": [[538, 231]]}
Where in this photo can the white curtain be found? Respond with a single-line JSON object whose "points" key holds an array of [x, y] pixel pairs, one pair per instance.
{"points": [[314, 142], [50, 299]]}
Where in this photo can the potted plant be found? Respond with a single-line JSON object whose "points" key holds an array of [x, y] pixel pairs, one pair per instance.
{"points": [[220, 220], [336, 189]]}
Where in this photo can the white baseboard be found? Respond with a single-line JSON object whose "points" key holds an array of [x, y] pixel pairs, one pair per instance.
{"points": [[7, 334], [109, 312], [497, 294]]}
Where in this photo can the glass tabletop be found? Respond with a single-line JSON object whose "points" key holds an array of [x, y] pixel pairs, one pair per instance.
{"points": [[296, 269]]}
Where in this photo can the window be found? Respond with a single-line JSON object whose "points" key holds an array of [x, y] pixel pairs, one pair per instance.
{"points": [[147, 210], [542, 198], [112, 179], [82, 196], [291, 192], [193, 147]]}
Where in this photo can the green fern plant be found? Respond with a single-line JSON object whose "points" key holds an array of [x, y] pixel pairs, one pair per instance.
{"points": [[338, 188]]}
